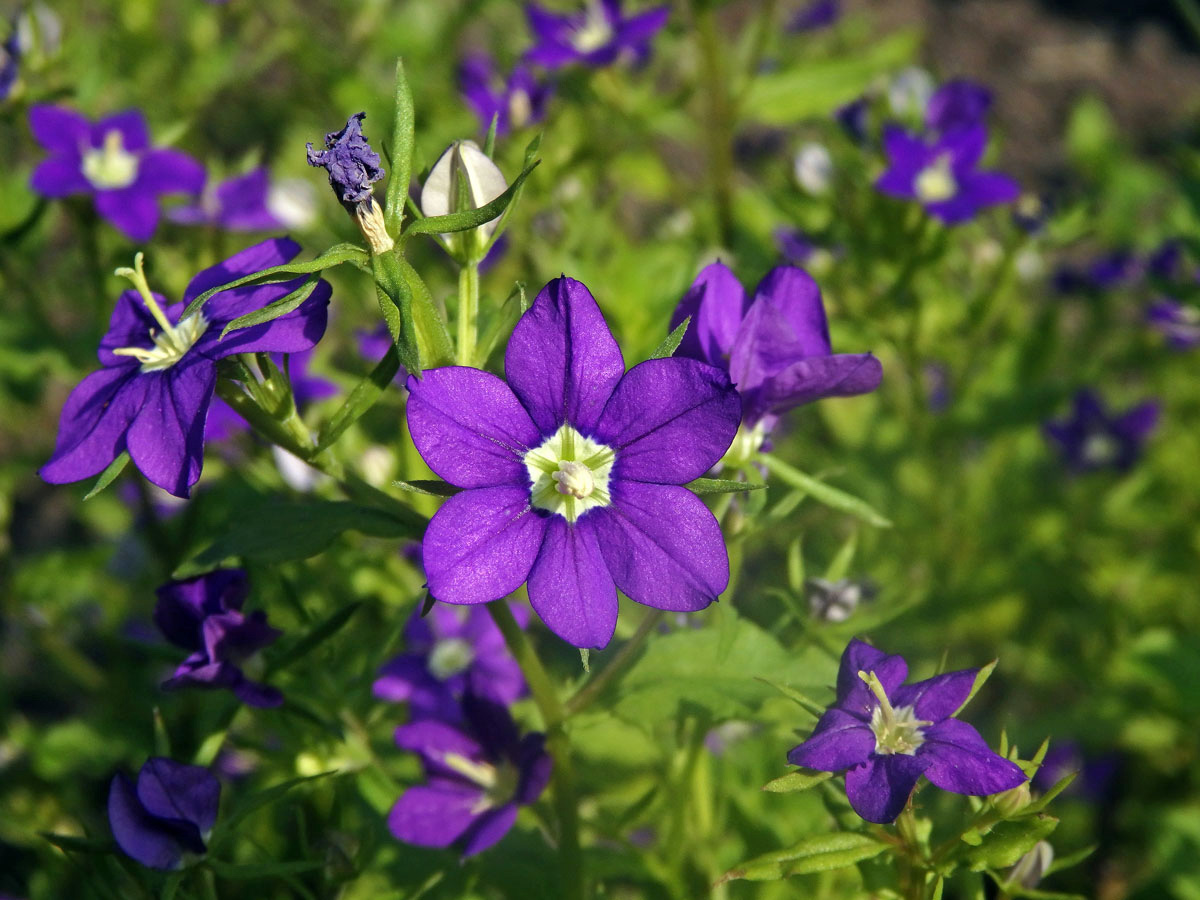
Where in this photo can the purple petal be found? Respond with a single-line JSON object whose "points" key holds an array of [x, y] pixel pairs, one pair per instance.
{"points": [[145, 838], [840, 375], [936, 698], [880, 787], [852, 694], [965, 148], [255, 258], [295, 332], [840, 740], [129, 326], [173, 790], [435, 815], [433, 740], [795, 294], [535, 765], [1139, 423], [183, 604], [957, 104], [670, 420], [959, 760], [570, 587], [59, 129], [562, 361], [716, 301], [130, 210], [469, 427], [990, 188], [258, 695], [546, 26], [765, 345], [490, 828], [170, 171], [59, 177], [129, 123], [481, 544], [643, 27], [166, 440], [662, 545], [94, 421], [906, 153]]}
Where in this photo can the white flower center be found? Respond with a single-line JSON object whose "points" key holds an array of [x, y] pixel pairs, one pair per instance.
{"points": [[936, 182], [173, 342], [499, 783], [746, 444], [449, 657], [111, 166], [595, 32], [895, 730], [1100, 449], [569, 473]]}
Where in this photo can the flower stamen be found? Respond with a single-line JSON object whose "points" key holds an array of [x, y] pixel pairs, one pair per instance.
{"points": [[110, 166], [895, 730], [174, 341]]}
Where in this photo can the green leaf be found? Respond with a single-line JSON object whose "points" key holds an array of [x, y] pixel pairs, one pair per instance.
{"points": [[323, 631], [75, 844], [981, 678], [672, 341], [795, 696], [428, 487], [226, 827], [247, 871], [704, 486], [395, 303], [1009, 841], [334, 256], [402, 151], [469, 218], [815, 854], [109, 475], [822, 492], [275, 309], [840, 564], [437, 348], [365, 395], [796, 781]]}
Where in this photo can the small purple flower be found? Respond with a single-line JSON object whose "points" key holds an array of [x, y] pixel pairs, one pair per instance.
{"points": [[852, 117], [597, 36], [238, 204], [112, 160], [1166, 260], [1095, 773], [776, 347], [516, 102], [167, 816], [816, 15], [1114, 269], [943, 176], [351, 163], [152, 395], [886, 735], [477, 776], [1178, 323], [1092, 439], [573, 473], [204, 615], [451, 652], [10, 62], [956, 106], [794, 246]]}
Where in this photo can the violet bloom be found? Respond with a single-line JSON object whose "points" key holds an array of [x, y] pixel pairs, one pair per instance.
{"points": [[237, 204], [352, 164], [165, 819], [516, 102], [956, 106], [450, 652], [943, 176], [597, 36], [1114, 269], [1178, 323], [1092, 438], [477, 777], [816, 15], [204, 615], [1166, 260], [886, 735], [112, 160], [159, 372], [573, 473], [853, 117], [775, 347]]}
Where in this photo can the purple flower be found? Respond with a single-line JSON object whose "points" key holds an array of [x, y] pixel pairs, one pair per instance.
{"points": [[222, 422], [1095, 773], [351, 163], [204, 615], [451, 652], [852, 117], [1165, 261], [597, 36], [113, 161], [956, 106], [886, 735], [159, 372], [1115, 268], [238, 204], [1179, 324], [816, 15], [10, 62], [776, 347], [167, 816], [573, 473], [477, 776], [943, 176], [1090, 438], [517, 102]]}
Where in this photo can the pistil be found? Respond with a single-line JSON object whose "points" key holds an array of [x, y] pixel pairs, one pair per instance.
{"points": [[173, 341], [895, 730]]}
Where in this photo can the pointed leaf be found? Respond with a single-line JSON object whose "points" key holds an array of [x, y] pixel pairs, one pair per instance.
{"points": [[822, 492], [365, 394], [815, 854], [402, 150], [109, 475], [469, 218], [323, 631], [796, 781], [704, 486], [275, 309]]}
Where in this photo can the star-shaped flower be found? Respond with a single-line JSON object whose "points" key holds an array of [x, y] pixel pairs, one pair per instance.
{"points": [[515, 102], [236, 204], [1093, 438], [597, 36]]}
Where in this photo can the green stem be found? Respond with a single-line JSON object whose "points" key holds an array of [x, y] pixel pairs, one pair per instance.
{"points": [[588, 694], [719, 127], [468, 310]]}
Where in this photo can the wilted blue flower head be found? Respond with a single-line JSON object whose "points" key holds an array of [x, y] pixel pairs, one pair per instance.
{"points": [[957, 105], [203, 614], [886, 735], [237, 204], [943, 176], [1092, 438], [351, 163], [775, 346], [1178, 323], [515, 102], [597, 36], [112, 160], [816, 15], [166, 818], [478, 775], [449, 653], [573, 473], [152, 394]]}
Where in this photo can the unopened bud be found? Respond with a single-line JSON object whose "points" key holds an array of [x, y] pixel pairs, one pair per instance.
{"points": [[1012, 801], [464, 164], [1032, 867]]}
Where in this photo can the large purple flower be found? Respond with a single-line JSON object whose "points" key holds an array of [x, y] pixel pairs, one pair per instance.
{"points": [[451, 652], [943, 176], [886, 735], [167, 816], [1092, 438], [159, 372], [237, 204], [477, 777], [573, 473], [597, 36], [204, 615], [515, 102], [776, 347], [113, 161]]}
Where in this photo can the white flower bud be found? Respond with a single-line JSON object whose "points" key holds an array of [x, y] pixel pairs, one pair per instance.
{"points": [[813, 167], [485, 182], [909, 91]]}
